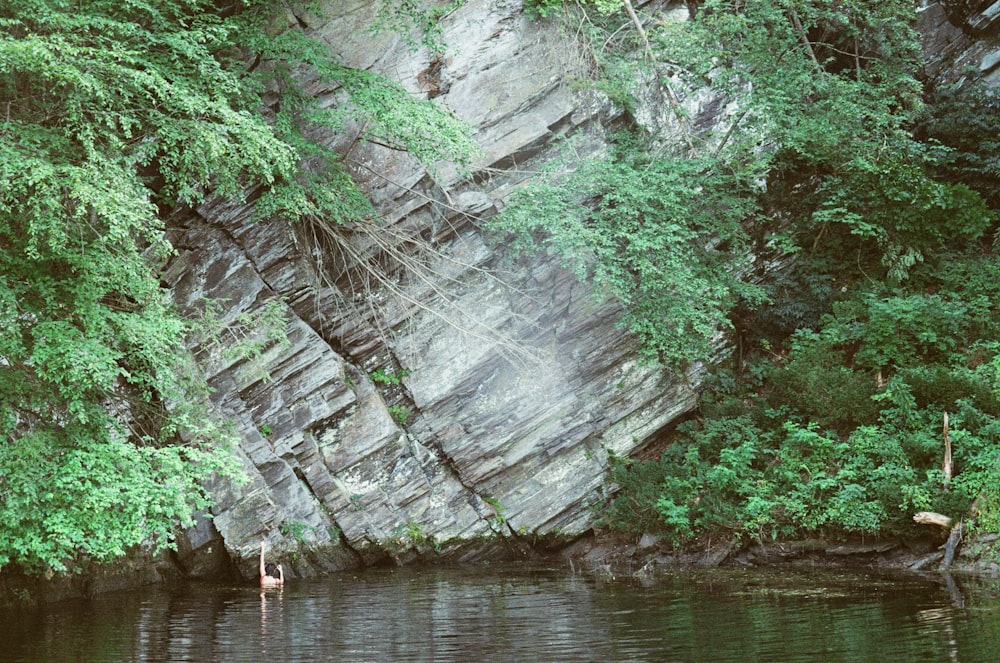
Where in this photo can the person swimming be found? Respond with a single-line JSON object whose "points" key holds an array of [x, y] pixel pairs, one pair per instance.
{"points": [[271, 574]]}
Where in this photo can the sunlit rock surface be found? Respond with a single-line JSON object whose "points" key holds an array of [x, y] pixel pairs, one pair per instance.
{"points": [[514, 382]]}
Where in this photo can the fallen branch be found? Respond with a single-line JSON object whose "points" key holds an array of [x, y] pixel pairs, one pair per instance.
{"points": [[931, 518], [954, 533], [951, 546], [946, 466]]}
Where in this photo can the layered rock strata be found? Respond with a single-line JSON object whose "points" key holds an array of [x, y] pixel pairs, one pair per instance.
{"points": [[500, 385], [436, 397]]}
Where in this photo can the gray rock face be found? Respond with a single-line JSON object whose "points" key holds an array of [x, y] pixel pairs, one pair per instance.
{"points": [[501, 384], [977, 18], [436, 397], [961, 41]]}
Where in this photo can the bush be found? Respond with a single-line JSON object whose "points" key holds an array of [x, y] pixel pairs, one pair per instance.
{"points": [[817, 382], [728, 474], [964, 123]]}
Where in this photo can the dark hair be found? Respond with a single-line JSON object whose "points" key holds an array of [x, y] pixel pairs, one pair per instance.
{"points": [[272, 570]]}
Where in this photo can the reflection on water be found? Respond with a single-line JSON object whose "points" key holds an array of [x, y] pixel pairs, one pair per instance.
{"points": [[516, 613]]}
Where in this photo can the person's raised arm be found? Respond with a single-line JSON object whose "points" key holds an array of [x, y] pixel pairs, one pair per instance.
{"points": [[263, 572]]}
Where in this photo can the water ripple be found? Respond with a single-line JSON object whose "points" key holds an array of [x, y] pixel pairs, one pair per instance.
{"points": [[516, 613]]}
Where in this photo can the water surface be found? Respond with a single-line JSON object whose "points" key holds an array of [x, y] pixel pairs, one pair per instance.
{"points": [[517, 613]]}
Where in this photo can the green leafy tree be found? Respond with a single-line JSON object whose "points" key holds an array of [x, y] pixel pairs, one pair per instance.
{"points": [[819, 155], [663, 236], [866, 336], [962, 125], [829, 95], [111, 115]]}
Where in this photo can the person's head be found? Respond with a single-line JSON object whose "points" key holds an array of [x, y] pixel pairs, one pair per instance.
{"points": [[272, 570]]}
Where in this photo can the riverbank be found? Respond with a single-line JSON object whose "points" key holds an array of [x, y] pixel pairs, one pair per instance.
{"points": [[600, 553], [650, 554]]}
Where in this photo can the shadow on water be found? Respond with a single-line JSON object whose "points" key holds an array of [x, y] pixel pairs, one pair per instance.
{"points": [[518, 613]]}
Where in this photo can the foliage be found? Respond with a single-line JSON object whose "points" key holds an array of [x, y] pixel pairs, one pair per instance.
{"points": [[546, 8], [383, 377], [787, 479], [845, 433], [69, 491], [415, 532], [879, 319], [400, 414], [113, 114], [301, 532], [662, 235], [817, 380], [499, 515], [962, 126]]}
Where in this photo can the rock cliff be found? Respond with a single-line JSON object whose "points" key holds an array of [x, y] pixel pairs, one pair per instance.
{"points": [[436, 397], [961, 40], [500, 385]]}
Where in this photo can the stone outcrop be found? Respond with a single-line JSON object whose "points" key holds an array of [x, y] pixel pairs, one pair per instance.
{"points": [[502, 384], [961, 41], [977, 18], [436, 397]]}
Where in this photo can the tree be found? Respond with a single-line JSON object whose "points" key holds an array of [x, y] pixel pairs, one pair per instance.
{"points": [[819, 148], [875, 324], [112, 114]]}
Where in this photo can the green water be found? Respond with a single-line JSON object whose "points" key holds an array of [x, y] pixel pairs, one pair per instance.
{"points": [[515, 613]]}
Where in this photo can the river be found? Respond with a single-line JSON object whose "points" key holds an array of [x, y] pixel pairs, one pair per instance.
{"points": [[486, 613]]}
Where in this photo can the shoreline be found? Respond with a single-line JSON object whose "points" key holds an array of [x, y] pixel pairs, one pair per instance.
{"points": [[602, 554], [649, 554]]}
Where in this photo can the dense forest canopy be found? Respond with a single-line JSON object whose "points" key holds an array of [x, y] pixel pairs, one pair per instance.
{"points": [[836, 222], [112, 114]]}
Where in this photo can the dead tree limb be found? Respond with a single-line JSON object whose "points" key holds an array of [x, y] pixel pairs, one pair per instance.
{"points": [[931, 518], [946, 466]]}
